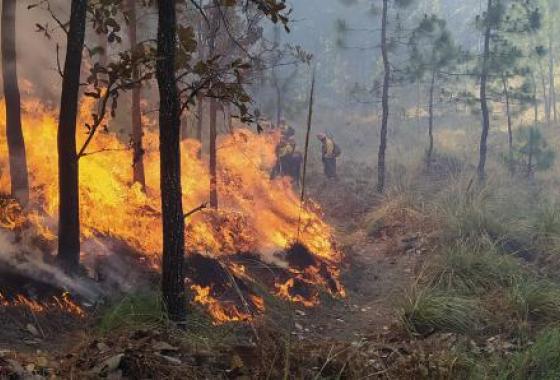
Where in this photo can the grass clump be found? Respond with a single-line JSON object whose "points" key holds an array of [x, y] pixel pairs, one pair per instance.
{"points": [[470, 269], [468, 212], [535, 300], [540, 361], [135, 311], [429, 310]]}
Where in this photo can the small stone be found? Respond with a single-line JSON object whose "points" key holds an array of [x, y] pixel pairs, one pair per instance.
{"points": [[32, 329]]}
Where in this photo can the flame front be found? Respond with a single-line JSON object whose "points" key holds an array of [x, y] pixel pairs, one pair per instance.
{"points": [[256, 214], [62, 303]]}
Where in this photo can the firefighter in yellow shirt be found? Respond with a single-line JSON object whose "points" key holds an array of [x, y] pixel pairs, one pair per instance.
{"points": [[330, 152]]}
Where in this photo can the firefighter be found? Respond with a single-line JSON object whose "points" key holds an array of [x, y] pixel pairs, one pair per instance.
{"points": [[289, 160], [330, 152]]}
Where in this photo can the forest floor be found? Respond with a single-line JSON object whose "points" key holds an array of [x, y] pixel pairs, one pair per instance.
{"points": [[395, 321]]}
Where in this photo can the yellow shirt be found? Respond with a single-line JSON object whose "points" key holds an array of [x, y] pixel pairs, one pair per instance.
{"points": [[328, 148]]}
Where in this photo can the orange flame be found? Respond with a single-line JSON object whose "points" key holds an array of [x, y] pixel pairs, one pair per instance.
{"points": [[61, 304]]}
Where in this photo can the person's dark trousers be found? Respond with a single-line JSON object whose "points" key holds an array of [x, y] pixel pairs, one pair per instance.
{"points": [[330, 167]]}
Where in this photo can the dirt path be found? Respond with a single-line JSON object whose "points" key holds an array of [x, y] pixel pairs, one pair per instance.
{"points": [[378, 272], [376, 280]]}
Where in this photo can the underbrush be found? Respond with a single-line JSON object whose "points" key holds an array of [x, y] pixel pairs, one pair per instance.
{"points": [[539, 361], [491, 279]]}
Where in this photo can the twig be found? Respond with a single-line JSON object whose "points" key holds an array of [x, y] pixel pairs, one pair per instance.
{"points": [[195, 210], [242, 297]]}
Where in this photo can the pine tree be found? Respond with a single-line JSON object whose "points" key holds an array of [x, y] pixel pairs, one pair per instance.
{"points": [[432, 52]]}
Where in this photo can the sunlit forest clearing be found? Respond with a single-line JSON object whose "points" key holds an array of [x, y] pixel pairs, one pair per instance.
{"points": [[267, 189]]}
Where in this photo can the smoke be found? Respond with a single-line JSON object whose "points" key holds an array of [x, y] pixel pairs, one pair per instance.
{"points": [[29, 261]]}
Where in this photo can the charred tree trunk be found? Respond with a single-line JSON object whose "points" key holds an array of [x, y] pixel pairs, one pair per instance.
{"points": [[173, 285], [69, 204], [484, 100], [384, 100], [430, 151], [276, 82], [199, 121], [213, 154], [14, 133], [138, 173], [509, 125]]}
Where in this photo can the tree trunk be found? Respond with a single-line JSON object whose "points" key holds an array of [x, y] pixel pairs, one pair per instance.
{"points": [[384, 101], [484, 100], [509, 125], [14, 133], [173, 285], [547, 112], [69, 204], [430, 151], [552, 81], [213, 155], [535, 101], [138, 173], [276, 82], [199, 121]]}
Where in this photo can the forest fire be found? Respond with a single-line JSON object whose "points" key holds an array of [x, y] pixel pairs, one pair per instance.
{"points": [[256, 214], [62, 303]]}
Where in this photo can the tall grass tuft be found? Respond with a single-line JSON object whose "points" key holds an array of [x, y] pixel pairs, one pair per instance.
{"points": [[472, 269], [535, 300], [134, 311], [428, 310]]}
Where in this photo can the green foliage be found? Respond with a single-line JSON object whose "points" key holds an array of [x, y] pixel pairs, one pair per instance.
{"points": [[532, 152], [432, 48], [429, 310]]}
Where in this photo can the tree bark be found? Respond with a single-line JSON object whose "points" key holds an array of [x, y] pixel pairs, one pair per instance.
{"points": [[509, 125], [138, 173], [430, 151], [14, 133], [547, 112], [276, 82], [484, 100], [199, 121], [535, 101], [213, 154], [68, 169], [173, 284], [384, 100], [552, 81]]}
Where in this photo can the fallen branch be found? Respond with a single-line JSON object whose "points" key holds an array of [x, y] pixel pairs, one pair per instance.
{"points": [[195, 210]]}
